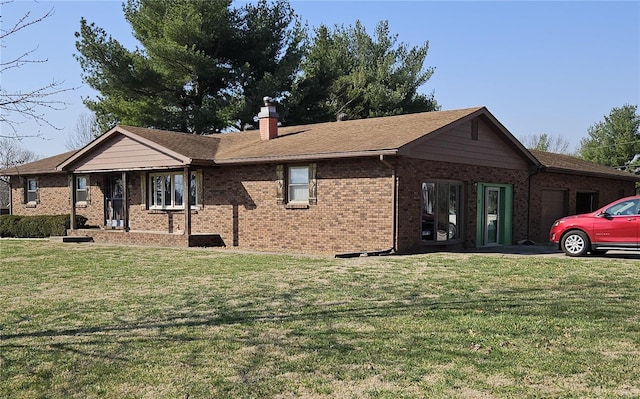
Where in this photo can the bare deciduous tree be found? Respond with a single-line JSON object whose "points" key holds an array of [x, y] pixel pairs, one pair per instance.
{"points": [[548, 143], [87, 129], [11, 154], [17, 107]]}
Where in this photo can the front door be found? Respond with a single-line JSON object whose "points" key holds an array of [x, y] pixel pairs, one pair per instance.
{"points": [[113, 202], [494, 214]]}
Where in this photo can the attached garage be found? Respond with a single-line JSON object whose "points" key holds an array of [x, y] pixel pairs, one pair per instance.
{"points": [[566, 185]]}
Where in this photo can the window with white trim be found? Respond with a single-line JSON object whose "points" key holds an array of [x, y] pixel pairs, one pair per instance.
{"points": [[82, 189], [166, 190], [32, 191], [298, 184]]}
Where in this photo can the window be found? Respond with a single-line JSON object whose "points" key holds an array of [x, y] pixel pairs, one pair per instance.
{"points": [[167, 190], [298, 186], [585, 203], [624, 208], [441, 212], [82, 189], [31, 191]]}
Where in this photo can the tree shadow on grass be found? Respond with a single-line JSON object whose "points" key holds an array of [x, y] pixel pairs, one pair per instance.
{"points": [[305, 336], [521, 302]]}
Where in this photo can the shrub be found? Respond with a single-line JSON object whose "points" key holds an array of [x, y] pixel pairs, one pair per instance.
{"points": [[37, 226]]}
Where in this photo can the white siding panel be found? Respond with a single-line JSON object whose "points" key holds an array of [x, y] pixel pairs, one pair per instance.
{"points": [[457, 145], [122, 152]]}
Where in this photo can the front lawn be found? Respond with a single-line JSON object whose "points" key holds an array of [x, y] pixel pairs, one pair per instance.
{"points": [[91, 321]]}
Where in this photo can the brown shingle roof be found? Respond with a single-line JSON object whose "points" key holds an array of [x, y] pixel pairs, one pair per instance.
{"points": [[322, 140], [39, 167], [189, 145], [336, 138], [316, 141], [563, 163], [319, 140]]}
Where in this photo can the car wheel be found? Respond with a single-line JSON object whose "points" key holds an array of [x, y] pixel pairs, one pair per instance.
{"points": [[452, 231], [575, 243]]}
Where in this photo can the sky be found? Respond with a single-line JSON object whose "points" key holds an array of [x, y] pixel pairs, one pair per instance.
{"points": [[539, 66]]}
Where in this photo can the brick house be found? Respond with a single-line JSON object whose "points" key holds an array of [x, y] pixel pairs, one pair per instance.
{"points": [[400, 184]]}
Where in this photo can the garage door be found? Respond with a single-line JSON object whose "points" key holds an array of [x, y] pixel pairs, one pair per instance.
{"points": [[554, 206]]}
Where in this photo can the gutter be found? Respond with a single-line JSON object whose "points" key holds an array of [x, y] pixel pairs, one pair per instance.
{"points": [[305, 157], [602, 175]]}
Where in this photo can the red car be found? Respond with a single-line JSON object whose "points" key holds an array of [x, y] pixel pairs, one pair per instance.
{"points": [[614, 226]]}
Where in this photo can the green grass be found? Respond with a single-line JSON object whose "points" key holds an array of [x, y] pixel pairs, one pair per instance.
{"points": [[90, 321]]}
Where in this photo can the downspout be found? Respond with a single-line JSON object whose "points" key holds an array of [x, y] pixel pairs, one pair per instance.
{"points": [[394, 204]]}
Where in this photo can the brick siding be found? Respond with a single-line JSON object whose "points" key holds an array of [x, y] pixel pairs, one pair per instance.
{"points": [[54, 198], [413, 172], [353, 211]]}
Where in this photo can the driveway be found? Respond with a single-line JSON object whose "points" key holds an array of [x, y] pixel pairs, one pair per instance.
{"points": [[548, 250]]}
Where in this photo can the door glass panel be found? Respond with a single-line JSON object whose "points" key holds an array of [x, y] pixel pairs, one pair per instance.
{"points": [[454, 195], [492, 207], [428, 210], [443, 212]]}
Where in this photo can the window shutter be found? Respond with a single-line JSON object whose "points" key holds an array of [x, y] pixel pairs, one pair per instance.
{"points": [[25, 190], [70, 178], [199, 189], [280, 184], [37, 191], [143, 189], [313, 187], [88, 200]]}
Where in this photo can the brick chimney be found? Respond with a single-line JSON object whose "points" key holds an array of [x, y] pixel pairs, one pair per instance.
{"points": [[268, 120]]}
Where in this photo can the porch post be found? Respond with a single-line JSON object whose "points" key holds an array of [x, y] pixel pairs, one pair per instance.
{"points": [[125, 202], [186, 181], [72, 196]]}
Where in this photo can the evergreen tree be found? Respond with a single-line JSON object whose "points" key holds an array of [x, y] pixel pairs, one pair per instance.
{"points": [[202, 68], [615, 141], [346, 71]]}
